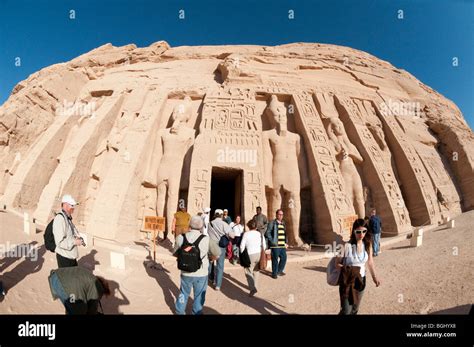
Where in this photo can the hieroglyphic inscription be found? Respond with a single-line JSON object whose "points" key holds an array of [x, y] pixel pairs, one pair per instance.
{"points": [[420, 174], [361, 112], [329, 174]]}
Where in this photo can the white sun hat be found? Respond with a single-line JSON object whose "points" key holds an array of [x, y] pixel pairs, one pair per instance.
{"points": [[68, 199]]}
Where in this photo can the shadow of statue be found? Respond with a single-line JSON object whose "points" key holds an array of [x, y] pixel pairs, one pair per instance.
{"points": [[232, 291], [32, 263]]}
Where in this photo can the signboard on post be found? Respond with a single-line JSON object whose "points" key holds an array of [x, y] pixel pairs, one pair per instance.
{"points": [[154, 224]]}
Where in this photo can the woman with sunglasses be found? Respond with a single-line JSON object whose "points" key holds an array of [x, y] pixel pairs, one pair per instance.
{"points": [[357, 256]]}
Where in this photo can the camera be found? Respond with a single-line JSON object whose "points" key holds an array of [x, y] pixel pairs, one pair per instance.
{"points": [[82, 241]]}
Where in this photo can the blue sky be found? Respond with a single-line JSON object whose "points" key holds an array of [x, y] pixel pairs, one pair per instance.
{"points": [[424, 42]]}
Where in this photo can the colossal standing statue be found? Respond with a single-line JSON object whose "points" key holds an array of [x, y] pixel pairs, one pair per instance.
{"points": [[347, 153], [283, 158], [172, 146]]}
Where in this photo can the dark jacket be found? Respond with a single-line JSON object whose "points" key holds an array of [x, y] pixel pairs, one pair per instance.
{"points": [[80, 284], [350, 283], [375, 224], [272, 233]]}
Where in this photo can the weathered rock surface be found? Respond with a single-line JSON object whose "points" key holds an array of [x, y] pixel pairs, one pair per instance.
{"points": [[355, 132]]}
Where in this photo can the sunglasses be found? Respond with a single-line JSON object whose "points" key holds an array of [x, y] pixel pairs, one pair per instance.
{"points": [[358, 232]]}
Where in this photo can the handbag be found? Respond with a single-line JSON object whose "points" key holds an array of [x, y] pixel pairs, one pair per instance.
{"points": [[263, 258], [244, 258], [223, 242], [332, 272]]}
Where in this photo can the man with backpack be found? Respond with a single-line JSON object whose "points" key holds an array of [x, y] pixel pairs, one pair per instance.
{"points": [[66, 237], [192, 249]]}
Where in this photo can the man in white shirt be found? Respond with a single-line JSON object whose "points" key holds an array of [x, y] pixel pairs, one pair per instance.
{"points": [[205, 220], [219, 230], [66, 237]]}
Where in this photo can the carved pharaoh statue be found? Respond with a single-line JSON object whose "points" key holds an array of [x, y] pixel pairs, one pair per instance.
{"points": [[172, 146], [347, 153], [283, 160]]}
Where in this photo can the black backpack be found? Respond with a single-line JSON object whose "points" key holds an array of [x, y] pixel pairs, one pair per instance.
{"points": [[189, 256], [49, 242]]}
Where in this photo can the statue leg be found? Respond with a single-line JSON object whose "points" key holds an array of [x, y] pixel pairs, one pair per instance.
{"points": [[172, 204], [349, 188], [358, 194], [160, 199], [160, 202], [276, 202], [294, 208]]}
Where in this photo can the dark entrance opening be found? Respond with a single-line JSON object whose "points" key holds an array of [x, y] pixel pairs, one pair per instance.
{"points": [[226, 191]]}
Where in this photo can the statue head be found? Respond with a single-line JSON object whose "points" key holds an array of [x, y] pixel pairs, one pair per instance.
{"points": [[278, 112], [180, 114], [336, 126]]}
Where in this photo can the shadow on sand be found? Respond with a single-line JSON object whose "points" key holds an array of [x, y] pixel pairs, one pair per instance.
{"points": [[232, 289], [169, 288], [32, 262]]}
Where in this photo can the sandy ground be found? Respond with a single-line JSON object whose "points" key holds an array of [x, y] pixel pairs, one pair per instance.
{"points": [[435, 278]]}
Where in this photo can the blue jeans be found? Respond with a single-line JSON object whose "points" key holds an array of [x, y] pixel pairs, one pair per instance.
{"points": [[278, 267], [60, 293], [199, 285], [376, 243], [219, 269]]}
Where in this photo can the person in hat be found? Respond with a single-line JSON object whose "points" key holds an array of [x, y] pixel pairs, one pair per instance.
{"points": [[205, 220], [197, 280], [237, 230], [225, 217], [218, 232], [66, 236]]}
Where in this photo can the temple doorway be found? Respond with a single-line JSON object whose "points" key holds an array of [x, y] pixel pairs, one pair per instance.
{"points": [[227, 190]]}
